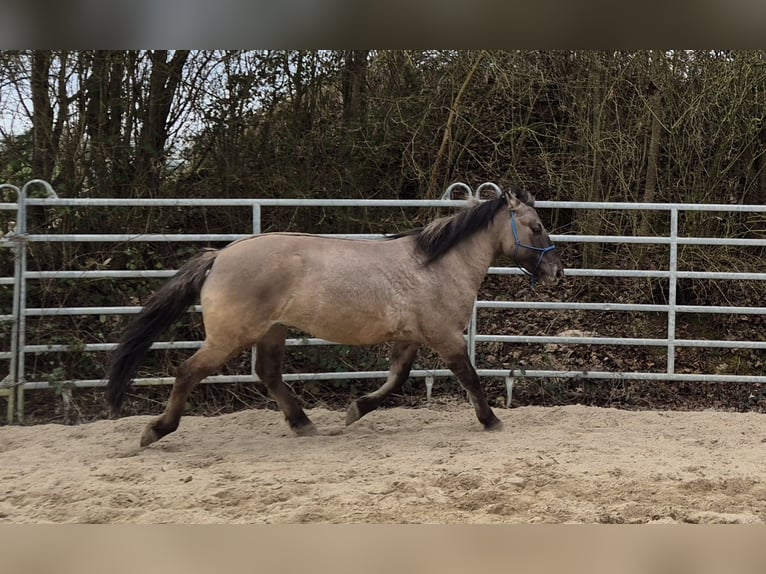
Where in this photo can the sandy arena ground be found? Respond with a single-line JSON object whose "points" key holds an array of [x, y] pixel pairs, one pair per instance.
{"points": [[429, 465]]}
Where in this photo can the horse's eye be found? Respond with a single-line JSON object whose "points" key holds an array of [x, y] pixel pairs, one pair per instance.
{"points": [[537, 228]]}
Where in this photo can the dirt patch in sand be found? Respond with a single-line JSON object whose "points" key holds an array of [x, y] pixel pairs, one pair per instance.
{"points": [[434, 465]]}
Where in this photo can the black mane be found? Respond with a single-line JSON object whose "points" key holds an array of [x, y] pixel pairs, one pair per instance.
{"points": [[441, 235]]}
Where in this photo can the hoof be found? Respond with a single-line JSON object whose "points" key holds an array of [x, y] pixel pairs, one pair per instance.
{"points": [[149, 436], [494, 425], [157, 429], [305, 430], [353, 413]]}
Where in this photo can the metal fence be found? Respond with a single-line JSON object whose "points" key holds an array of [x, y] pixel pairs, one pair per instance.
{"points": [[17, 238]]}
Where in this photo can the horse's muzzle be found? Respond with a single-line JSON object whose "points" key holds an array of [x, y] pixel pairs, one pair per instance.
{"points": [[550, 270]]}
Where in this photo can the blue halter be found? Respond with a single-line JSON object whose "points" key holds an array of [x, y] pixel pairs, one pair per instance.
{"points": [[541, 250]]}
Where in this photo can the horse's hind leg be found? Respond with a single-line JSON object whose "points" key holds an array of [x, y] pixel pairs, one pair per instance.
{"points": [[270, 352], [455, 355], [402, 357], [201, 364]]}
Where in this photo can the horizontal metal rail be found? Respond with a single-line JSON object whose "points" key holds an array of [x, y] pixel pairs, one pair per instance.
{"points": [[627, 273], [642, 307], [309, 202], [549, 305], [229, 237], [422, 373], [288, 377], [161, 345], [630, 341]]}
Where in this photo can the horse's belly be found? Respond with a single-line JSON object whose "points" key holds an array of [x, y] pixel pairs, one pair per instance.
{"points": [[345, 326], [351, 334]]}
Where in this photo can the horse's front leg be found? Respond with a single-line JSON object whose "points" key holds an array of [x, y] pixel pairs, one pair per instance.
{"points": [[456, 357], [402, 357]]}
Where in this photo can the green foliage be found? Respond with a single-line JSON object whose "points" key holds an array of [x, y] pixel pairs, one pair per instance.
{"points": [[15, 160]]}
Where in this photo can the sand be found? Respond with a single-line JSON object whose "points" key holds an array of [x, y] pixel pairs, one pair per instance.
{"points": [[570, 464]]}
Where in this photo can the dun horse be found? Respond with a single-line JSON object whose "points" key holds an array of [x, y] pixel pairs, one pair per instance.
{"points": [[415, 288]]}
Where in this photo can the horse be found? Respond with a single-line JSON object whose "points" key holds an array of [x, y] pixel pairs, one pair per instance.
{"points": [[411, 289]]}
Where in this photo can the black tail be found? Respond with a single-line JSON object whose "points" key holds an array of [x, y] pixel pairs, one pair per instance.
{"points": [[164, 307]]}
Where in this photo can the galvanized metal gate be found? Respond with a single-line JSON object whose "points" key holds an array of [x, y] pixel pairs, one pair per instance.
{"points": [[14, 324]]}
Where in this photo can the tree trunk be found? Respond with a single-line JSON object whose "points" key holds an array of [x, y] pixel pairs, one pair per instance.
{"points": [[654, 99], [760, 164], [354, 86], [95, 123], [592, 219], [163, 82], [433, 185], [43, 157], [652, 158]]}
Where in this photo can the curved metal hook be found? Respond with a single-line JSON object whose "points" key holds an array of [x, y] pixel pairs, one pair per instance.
{"points": [[49, 192], [13, 187], [11, 224], [488, 184], [470, 193], [20, 228], [448, 192]]}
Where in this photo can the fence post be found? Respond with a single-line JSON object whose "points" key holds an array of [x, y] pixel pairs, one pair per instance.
{"points": [[19, 305], [256, 231], [672, 284], [22, 227], [8, 387], [256, 218]]}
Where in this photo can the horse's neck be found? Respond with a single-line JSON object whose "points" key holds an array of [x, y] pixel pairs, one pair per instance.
{"points": [[474, 256]]}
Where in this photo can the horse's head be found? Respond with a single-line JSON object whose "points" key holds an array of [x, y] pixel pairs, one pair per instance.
{"points": [[524, 239]]}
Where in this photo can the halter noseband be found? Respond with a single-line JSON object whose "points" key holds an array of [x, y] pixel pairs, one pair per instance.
{"points": [[541, 250]]}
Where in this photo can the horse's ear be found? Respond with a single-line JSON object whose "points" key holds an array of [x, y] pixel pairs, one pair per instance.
{"points": [[510, 197]]}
